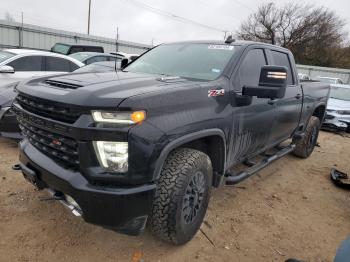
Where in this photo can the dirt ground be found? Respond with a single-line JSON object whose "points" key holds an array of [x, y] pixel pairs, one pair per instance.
{"points": [[291, 209]]}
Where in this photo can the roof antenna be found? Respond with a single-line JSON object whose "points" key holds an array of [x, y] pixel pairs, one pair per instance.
{"points": [[229, 40], [116, 52]]}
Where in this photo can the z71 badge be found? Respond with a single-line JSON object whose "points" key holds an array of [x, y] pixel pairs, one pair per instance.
{"points": [[216, 92]]}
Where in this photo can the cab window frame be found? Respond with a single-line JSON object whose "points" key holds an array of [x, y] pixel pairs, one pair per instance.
{"points": [[271, 62], [236, 81]]}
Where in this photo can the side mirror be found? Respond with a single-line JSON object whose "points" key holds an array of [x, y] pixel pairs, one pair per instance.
{"points": [[124, 63], [7, 69], [272, 83]]}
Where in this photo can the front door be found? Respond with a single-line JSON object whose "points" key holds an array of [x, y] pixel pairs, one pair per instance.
{"points": [[252, 124], [26, 67]]}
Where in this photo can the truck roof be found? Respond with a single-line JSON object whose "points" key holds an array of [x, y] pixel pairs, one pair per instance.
{"points": [[236, 42], [220, 42]]}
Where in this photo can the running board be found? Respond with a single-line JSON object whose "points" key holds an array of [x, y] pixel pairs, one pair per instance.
{"points": [[234, 179]]}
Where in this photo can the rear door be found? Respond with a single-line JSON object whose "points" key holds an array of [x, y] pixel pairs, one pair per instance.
{"points": [[252, 124], [288, 108], [58, 65]]}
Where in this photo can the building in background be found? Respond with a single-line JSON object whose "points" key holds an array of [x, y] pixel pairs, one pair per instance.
{"points": [[16, 35]]}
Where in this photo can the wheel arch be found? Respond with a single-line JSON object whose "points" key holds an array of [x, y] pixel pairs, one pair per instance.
{"points": [[320, 112], [212, 142]]}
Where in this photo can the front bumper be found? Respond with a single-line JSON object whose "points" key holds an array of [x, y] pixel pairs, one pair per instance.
{"points": [[337, 121], [8, 124], [124, 209]]}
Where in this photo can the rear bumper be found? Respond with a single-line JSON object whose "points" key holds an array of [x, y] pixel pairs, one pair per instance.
{"points": [[123, 209]]}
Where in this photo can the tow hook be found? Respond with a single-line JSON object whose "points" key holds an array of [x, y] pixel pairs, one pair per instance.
{"points": [[16, 167]]}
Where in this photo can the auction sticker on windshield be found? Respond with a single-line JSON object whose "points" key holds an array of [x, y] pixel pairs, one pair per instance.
{"points": [[221, 47]]}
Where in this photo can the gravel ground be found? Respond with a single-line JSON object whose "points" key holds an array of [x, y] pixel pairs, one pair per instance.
{"points": [[291, 209]]}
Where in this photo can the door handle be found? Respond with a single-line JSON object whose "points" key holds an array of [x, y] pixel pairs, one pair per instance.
{"points": [[298, 96], [272, 101]]}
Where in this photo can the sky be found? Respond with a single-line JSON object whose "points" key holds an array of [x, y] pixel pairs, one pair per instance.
{"points": [[137, 23]]}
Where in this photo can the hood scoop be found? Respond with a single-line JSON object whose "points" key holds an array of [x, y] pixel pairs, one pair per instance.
{"points": [[61, 84]]}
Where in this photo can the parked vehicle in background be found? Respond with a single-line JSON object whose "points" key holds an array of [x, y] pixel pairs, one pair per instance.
{"points": [[8, 123], [149, 143], [338, 108], [330, 80], [303, 77], [68, 49], [93, 57], [130, 57], [20, 64], [101, 67]]}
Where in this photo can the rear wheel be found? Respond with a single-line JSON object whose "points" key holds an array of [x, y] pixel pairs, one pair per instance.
{"points": [[306, 145], [182, 196]]}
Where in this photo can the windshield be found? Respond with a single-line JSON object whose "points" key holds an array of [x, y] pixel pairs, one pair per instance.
{"points": [[60, 48], [5, 55], [191, 60], [340, 93]]}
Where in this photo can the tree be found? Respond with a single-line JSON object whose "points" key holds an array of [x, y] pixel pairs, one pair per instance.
{"points": [[315, 35], [9, 17]]}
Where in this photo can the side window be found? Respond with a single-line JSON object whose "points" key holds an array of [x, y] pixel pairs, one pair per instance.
{"points": [[76, 49], [96, 59], [111, 58], [282, 59], [73, 66], [27, 63], [57, 64], [250, 68]]}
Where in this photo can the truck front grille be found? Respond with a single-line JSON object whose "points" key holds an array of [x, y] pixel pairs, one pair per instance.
{"points": [[49, 109], [62, 149]]}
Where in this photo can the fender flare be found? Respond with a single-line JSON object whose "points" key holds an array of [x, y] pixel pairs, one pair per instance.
{"points": [[183, 140]]}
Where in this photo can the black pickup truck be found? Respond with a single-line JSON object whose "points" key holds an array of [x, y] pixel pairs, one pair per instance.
{"points": [[149, 143]]}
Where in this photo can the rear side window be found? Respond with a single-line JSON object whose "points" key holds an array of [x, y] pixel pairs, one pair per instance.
{"points": [[96, 49], [250, 68], [112, 58], [76, 49], [27, 63], [58, 64], [282, 59]]}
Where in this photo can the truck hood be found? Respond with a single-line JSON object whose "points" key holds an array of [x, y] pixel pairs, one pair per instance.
{"points": [[337, 104], [98, 89]]}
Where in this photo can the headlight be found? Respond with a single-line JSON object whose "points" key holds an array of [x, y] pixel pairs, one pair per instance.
{"points": [[113, 156], [343, 112], [119, 117]]}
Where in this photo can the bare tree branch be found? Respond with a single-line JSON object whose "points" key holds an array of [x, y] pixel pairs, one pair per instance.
{"points": [[311, 33]]}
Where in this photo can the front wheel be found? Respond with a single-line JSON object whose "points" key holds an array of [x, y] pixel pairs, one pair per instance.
{"points": [[305, 146], [182, 196]]}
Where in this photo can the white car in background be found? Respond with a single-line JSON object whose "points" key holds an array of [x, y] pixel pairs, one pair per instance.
{"points": [[130, 57], [338, 108], [19, 64], [330, 80], [303, 77]]}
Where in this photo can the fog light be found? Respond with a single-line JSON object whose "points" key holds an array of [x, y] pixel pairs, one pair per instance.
{"points": [[113, 156]]}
